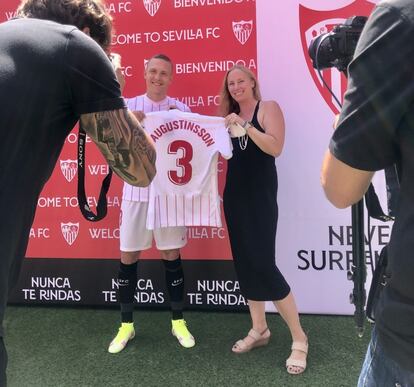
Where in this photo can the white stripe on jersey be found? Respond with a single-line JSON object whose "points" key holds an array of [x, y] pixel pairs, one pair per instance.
{"points": [[184, 191], [144, 104]]}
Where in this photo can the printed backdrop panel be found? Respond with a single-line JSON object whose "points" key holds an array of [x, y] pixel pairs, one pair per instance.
{"points": [[314, 241], [209, 284], [204, 38]]}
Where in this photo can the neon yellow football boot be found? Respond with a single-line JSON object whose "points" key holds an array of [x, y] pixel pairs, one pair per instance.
{"points": [[125, 333], [180, 331]]}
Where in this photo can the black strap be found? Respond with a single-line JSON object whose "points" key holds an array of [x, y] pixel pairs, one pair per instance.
{"points": [[101, 208], [378, 282], [393, 192], [374, 207], [392, 181]]}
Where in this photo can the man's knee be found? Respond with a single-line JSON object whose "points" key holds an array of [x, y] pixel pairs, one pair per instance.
{"points": [[130, 257], [170, 255]]}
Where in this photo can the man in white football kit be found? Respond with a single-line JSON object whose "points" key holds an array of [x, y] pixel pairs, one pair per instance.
{"points": [[134, 235]]}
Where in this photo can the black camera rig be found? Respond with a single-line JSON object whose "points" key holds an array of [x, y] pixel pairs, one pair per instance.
{"points": [[336, 48]]}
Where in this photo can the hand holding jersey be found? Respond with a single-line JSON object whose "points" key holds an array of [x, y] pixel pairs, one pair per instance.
{"points": [[139, 115], [236, 130]]}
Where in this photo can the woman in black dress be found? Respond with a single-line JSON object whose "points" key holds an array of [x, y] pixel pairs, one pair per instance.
{"points": [[251, 212]]}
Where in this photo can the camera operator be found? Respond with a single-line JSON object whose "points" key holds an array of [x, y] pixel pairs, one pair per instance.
{"points": [[375, 131], [51, 75]]}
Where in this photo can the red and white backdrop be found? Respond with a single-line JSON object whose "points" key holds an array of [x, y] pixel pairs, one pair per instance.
{"points": [[73, 261]]}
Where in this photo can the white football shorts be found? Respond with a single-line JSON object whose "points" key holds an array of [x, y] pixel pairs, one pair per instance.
{"points": [[134, 236]]}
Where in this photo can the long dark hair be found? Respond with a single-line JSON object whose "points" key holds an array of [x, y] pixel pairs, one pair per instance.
{"points": [[79, 13]]}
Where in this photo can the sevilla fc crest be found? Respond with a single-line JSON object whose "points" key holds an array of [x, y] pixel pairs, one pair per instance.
{"points": [[69, 169], [70, 232], [314, 23], [152, 6], [242, 30]]}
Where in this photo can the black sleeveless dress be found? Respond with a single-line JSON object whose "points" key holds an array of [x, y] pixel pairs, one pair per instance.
{"points": [[251, 214]]}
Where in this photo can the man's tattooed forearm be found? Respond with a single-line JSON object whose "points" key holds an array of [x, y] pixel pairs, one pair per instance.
{"points": [[117, 147], [141, 144], [124, 145]]}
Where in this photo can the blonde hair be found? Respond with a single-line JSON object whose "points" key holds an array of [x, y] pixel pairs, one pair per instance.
{"points": [[79, 13], [227, 103], [163, 57]]}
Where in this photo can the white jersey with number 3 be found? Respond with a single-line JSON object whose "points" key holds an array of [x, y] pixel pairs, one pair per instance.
{"points": [[184, 191], [144, 104]]}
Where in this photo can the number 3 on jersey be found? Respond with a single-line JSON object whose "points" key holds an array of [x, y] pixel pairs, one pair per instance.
{"points": [[182, 162]]}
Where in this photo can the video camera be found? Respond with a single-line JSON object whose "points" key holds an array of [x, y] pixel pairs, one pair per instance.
{"points": [[336, 48]]}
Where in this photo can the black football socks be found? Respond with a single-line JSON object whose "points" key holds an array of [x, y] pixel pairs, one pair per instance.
{"points": [[174, 278], [127, 281]]}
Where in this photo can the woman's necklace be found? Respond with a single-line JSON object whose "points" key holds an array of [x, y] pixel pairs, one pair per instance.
{"points": [[243, 141]]}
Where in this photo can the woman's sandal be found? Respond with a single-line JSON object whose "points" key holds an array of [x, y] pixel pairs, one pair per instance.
{"points": [[297, 366], [259, 340]]}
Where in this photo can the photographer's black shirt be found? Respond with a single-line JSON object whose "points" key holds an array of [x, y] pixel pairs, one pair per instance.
{"points": [[376, 130], [50, 74]]}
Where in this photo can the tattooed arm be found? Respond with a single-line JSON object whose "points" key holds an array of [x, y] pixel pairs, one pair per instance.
{"points": [[128, 150]]}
